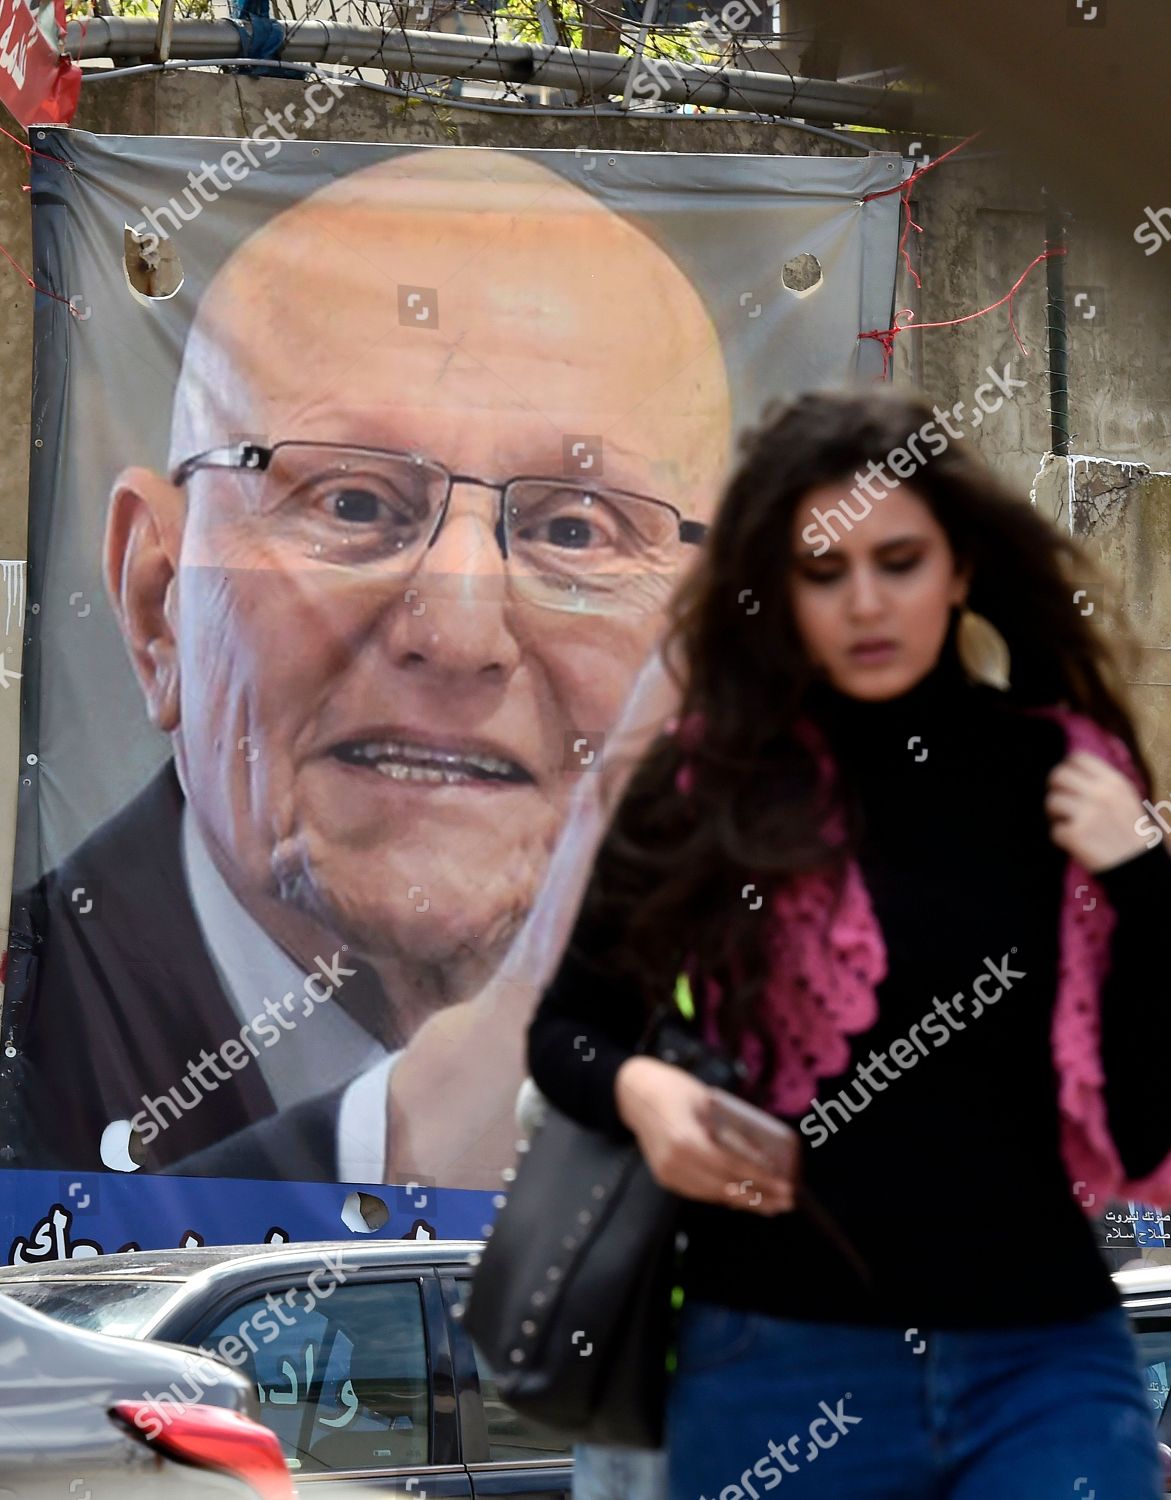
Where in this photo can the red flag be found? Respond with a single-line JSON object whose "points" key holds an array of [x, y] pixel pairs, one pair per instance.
{"points": [[37, 84]]}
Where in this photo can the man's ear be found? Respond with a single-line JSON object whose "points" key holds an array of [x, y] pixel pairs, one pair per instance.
{"points": [[144, 531]]}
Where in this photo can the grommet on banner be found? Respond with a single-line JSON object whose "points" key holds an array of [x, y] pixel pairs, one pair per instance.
{"points": [[29, 151]]}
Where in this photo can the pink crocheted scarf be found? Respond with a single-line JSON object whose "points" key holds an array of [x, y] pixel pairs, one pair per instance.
{"points": [[829, 958]]}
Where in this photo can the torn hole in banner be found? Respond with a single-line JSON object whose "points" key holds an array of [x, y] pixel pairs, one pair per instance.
{"points": [[153, 269], [122, 1147], [364, 1213], [802, 274]]}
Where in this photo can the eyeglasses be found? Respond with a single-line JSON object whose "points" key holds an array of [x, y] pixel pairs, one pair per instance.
{"points": [[567, 544]]}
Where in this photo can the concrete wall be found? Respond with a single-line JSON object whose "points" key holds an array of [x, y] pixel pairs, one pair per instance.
{"points": [[983, 222], [1122, 514]]}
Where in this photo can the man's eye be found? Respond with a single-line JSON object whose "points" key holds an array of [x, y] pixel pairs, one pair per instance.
{"points": [[573, 532], [567, 522], [364, 500], [356, 506]]}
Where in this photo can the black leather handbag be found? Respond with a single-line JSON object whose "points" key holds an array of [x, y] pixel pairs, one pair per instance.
{"points": [[571, 1302]]}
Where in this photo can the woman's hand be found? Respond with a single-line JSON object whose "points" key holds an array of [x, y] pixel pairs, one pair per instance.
{"points": [[664, 1108], [1092, 811]]}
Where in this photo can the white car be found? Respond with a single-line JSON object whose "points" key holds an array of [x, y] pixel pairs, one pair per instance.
{"points": [[1146, 1296]]}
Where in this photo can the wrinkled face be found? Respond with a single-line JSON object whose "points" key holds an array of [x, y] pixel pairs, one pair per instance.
{"points": [[390, 747], [873, 611]]}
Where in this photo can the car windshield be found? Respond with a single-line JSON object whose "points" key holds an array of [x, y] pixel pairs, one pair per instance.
{"points": [[119, 1307]]}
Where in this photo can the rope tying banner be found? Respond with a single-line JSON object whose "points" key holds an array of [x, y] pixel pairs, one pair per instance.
{"points": [[886, 336], [15, 264], [904, 190]]}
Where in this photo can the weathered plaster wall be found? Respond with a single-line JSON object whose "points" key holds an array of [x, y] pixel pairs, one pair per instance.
{"points": [[1122, 513], [984, 221]]}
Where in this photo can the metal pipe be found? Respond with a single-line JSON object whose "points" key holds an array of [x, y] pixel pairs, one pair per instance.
{"points": [[584, 112], [446, 55], [1057, 331]]}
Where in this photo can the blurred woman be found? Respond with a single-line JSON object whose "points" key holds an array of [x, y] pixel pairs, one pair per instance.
{"points": [[891, 843]]}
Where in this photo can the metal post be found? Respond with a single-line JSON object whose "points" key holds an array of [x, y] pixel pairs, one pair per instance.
{"points": [[1056, 330], [162, 47], [648, 12]]}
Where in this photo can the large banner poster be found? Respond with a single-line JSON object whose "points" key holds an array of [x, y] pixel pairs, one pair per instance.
{"points": [[37, 84], [361, 478]]}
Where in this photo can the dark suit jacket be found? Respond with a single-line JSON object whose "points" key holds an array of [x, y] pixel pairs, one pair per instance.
{"points": [[298, 1145], [111, 990]]}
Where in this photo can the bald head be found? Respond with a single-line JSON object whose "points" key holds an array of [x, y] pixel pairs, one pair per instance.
{"points": [[416, 723], [460, 281]]}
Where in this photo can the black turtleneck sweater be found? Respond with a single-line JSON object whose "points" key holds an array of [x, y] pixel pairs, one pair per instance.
{"points": [[948, 1177]]}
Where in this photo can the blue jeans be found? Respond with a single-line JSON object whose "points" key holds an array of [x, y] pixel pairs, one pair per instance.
{"points": [[851, 1413]]}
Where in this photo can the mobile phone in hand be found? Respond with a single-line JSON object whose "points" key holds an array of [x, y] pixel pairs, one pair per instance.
{"points": [[752, 1132]]}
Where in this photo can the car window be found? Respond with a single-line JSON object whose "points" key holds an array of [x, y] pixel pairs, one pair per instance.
{"points": [[123, 1308], [1154, 1343], [511, 1437], [343, 1381]]}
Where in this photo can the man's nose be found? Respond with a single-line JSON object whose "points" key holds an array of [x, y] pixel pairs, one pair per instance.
{"points": [[454, 615]]}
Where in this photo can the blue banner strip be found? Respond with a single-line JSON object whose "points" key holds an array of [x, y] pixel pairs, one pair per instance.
{"points": [[63, 1215]]}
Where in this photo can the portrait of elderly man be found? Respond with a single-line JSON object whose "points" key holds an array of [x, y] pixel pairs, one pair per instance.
{"points": [[445, 436]]}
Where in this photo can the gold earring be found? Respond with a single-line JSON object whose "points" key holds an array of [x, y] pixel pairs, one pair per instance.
{"points": [[983, 651]]}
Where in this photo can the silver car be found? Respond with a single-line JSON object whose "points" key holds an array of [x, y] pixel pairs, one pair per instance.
{"points": [[355, 1352], [77, 1423]]}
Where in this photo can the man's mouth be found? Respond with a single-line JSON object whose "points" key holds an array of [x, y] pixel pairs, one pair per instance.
{"points": [[403, 760]]}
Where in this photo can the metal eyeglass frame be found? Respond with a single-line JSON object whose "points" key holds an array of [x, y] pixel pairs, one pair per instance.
{"points": [[256, 457]]}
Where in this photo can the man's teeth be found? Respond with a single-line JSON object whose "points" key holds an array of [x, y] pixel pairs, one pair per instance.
{"points": [[398, 772], [403, 762]]}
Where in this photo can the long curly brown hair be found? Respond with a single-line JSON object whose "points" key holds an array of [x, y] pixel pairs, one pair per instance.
{"points": [[666, 890]]}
